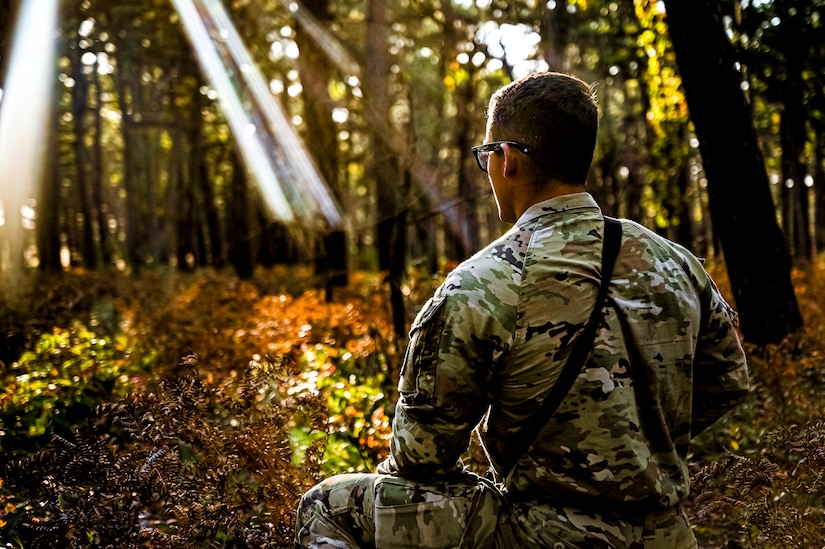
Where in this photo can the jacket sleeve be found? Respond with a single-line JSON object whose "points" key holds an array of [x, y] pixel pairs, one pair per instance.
{"points": [[720, 374], [441, 393]]}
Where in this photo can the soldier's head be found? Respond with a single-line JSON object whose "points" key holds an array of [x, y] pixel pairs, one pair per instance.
{"points": [[556, 116]]}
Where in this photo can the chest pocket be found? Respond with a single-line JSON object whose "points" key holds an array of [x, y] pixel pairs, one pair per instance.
{"points": [[418, 372]]}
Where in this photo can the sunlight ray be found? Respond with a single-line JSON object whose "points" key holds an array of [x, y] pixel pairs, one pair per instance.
{"points": [[426, 177], [335, 50], [293, 163], [243, 128], [24, 115]]}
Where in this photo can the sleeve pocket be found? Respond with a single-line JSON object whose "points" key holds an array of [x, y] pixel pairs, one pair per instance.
{"points": [[417, 383]]}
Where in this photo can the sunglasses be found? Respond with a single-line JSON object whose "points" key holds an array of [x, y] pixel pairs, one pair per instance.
{"points": [[483, 152]]}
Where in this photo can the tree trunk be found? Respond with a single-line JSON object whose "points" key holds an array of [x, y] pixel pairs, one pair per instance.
{"points": [[795, 203], [818, 173], [555, 27], [391, 190], [315, 73], [125, 74], [742, 210], [48, 224], [182, 214], [398, 267], [467, 170], [199, 172], [96, 179], [377, 98], [793, 137], [80, 95], [240, 245]]}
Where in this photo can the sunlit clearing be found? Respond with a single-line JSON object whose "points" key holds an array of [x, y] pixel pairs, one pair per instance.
{"points": [[249, 144], [292, 163], [24, 116]]}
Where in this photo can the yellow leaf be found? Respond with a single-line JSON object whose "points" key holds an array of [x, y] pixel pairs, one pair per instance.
{"points": [[337, 90]]}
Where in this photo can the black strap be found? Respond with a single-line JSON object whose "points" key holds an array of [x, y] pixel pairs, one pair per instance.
{"points": [[582, 347]]}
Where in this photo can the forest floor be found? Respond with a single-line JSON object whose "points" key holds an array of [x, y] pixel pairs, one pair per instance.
{"points": [[74, 342]]}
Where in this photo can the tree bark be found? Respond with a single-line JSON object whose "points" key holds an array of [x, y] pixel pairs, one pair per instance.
{"points": [[130, 160], [240, 245], [48, 224], [742, 210], [315, 73], [793, 138], [80, 97], [96, 179], [818, 173]]}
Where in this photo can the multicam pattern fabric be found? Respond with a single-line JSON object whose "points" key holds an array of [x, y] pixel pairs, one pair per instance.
{"points": [[360, 510], [666, 362]]}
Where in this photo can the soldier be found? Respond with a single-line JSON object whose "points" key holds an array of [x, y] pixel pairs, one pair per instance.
{"points": [[609, 468]]}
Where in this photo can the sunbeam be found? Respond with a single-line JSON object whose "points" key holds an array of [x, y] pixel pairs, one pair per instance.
{"points": [[293, 164], [425, 176], [24, 119], [243, 128], [335, 51], [283, 170]]}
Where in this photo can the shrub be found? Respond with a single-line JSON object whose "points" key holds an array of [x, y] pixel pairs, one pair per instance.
{"points": [[358, 405], [54, 387], [758, 472], [188, 465], [777, 496]]}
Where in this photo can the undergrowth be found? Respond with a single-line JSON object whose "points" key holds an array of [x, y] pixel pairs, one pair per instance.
{"points": [[110, 439], [186, 465], [757, 477]]}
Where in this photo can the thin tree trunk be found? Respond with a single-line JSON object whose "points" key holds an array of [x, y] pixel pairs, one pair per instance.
{"points": [[240, 245], [315, 71], [468, 173], [391, 189], [555, 25], [742, 209], [80, 95], [48, 220], [464, 133], [123, 76], [96, 179], [818, 173], [200, 175], [377, 97], [795, 219], [397, 270], [183, 214]]}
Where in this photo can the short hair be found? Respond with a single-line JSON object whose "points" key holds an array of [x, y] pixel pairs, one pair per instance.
{"points": [[556, 115]]}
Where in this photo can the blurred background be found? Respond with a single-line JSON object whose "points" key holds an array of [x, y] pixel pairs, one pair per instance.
{"points": [[186, 133]]}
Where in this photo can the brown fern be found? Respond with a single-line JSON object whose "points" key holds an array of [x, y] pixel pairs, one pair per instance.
{"points": [[188, 465]]}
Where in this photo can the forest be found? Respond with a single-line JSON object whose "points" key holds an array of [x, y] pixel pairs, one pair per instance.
{"points": [[218, 220]]}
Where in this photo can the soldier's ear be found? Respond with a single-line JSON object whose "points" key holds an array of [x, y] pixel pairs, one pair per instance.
{"points": [[512, 161]]}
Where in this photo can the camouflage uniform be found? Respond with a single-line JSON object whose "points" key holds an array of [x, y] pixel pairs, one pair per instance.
{"points": [[610, 468]]}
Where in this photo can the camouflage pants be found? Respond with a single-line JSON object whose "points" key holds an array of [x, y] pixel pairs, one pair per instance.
{"points": [[371, 510], [565, 527]]}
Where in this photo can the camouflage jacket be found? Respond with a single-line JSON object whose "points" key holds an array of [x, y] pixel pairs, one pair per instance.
{"points": [[489, 344]]}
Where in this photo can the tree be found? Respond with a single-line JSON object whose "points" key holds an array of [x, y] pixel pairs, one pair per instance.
{"points": [[390, 185], [316, 74], [742, 209], [780, 45]]}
